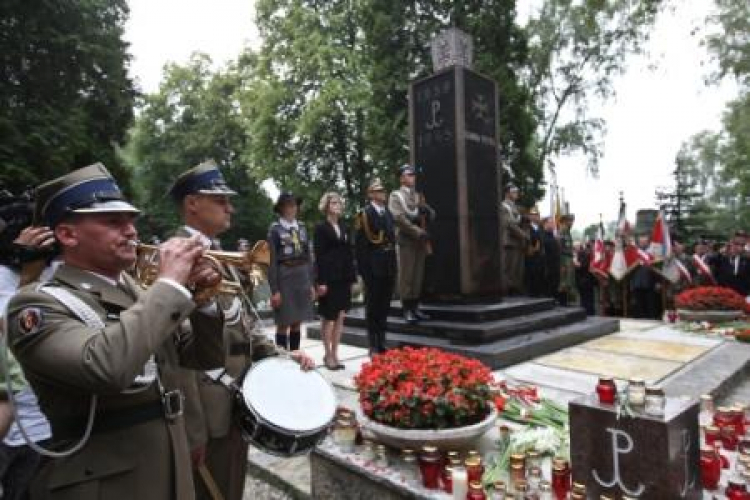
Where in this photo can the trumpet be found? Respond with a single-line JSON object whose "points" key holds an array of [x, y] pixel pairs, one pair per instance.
{"points": [[253, 263]]}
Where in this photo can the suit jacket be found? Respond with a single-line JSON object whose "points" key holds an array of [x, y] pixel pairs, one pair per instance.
{"points": [[551, 258], [735, 277], [67, 362], [375, 238], [334, 259], [209, 405]]}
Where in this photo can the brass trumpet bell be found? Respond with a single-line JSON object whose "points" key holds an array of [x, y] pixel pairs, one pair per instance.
{"points": [[253, 263]]}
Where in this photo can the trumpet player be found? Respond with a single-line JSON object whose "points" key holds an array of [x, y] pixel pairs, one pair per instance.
{"points": [[205, 206], [103, 355]]}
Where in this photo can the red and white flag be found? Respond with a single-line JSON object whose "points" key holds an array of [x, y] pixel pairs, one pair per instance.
{"points": [[599, 262], [618, 267], [660, 247], [684, 273], [623, 226], [703, 268]]}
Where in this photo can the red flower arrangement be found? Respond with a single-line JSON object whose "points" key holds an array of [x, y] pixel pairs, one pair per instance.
{"points": [[424, 388], [710, 298]]}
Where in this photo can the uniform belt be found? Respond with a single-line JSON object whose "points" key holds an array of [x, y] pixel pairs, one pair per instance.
{"points": [[293, 262], [240, 349], [384, 248], [107, 421]]}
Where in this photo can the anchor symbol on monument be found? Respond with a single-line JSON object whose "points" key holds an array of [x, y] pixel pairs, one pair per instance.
{"points": [[617, 450], [436, 121]]}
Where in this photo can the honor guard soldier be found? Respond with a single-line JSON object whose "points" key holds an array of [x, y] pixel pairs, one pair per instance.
{"points": [[514, 242], [411, 214], [534, 266], [102, 354], [375, 253], [203, 198], [567, 261]]}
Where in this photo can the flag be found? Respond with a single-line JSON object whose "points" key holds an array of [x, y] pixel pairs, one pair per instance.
{"points": [[558, 209], [618, 267], [703, 268], [599, 262], [660, 247], [623, 226], [684, 273]]}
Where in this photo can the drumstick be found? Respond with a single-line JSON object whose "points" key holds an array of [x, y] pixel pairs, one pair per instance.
{"points": [[208, 480]]}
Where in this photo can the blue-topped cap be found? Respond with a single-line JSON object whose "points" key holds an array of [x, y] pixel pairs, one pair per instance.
{"points": [[407, 169], [206, 178], [87, 190]]}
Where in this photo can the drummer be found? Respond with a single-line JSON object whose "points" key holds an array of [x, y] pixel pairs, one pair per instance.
{"points": [[216, 441]]}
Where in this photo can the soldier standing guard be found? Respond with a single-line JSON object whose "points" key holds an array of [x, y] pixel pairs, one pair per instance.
{"points": [[534, 268], [411, 214], [567, 293], [102, 355], [514, 243], [203, 198], [375, 241]]}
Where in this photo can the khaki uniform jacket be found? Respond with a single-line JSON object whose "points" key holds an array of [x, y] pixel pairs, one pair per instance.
{"points": [[514, 235], [400, 204], [67, 362], [208, 405]]}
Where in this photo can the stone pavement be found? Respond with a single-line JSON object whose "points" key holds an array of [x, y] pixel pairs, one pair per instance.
{"points": [[684, 364]]}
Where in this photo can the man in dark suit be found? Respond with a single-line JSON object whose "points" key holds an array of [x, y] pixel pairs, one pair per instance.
{"points": [[534, 272], [376, 261], [733, 269], [551, 248]]}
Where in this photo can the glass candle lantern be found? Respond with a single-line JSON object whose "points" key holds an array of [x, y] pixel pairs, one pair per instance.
{"points": [[446, 479], [368, 450], [737, 415], [706, 415], [728, 436], [710, 464], [722, 417], [533, 459], [534, 477], [430, 466], [476, 492], [381, 459], [736, 489], [474, 468], [606, 390], [711, 434], [517, 473], [545, 491], [636, 392], [499, 489], [344, 435], [460, 483], [655, 402], [560, 481], [410, 466]]}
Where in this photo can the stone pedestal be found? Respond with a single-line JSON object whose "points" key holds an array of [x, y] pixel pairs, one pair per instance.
{"points": [[641, 456], [453, 117]]}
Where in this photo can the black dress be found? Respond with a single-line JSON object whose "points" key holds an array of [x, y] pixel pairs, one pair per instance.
{"points": [[334, 265]]}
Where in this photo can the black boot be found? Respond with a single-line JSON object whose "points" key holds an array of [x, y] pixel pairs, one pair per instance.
{"points": [[409, 316], [294, 340], [282, 340], [421, 315]]}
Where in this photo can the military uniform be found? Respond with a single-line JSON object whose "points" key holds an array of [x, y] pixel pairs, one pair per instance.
{"points": [[534, 263], [515, 240], [567, 268], [413, 241], [117, 348], [210, 405], [375, 253]]}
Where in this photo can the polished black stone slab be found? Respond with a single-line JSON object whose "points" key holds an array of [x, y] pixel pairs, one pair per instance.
{"points": [[477, 312], [638, 456]]}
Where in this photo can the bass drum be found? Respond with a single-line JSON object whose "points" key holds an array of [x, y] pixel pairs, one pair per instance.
{"points": [[283, 410]]}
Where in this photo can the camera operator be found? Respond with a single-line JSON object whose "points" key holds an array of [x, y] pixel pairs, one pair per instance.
{"points": [[32, 247]]}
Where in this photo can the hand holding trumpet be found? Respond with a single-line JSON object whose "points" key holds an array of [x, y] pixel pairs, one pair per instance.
{"points": [[181, 260]]}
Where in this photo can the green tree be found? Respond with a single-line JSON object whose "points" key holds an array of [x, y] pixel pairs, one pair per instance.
{"points": [[680, 202], [577, 48], [729, 42], [195, 116], [329, 105], [65, 97]]}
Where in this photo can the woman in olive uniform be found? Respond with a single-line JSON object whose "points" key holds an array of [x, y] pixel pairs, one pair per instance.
{"points": [[290, 274]]}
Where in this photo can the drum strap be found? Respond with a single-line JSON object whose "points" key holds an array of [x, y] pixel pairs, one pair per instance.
{"points": [[220, 376]]}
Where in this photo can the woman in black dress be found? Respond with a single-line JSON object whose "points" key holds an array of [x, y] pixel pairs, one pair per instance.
{"points": [[334, 263]]}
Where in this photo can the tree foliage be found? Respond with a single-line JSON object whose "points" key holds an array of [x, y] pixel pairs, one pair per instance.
{"points": [[195, 116], [577, 48], [65, 97]]}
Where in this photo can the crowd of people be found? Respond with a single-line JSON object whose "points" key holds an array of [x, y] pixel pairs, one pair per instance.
{"points": [[546, 262]]}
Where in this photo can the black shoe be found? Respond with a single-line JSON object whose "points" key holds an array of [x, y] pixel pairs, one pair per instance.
{"points": [[421, 315], [410, 317]]}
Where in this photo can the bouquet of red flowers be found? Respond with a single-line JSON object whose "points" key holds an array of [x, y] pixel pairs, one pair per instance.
{"points": [[424, 388], [710, 298]]}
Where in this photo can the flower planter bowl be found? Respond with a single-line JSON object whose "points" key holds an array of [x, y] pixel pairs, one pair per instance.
{"points": [[709, 316], [459, 438]]}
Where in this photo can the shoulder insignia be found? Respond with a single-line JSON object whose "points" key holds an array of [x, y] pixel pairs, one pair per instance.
{"points": [[30, 320]]}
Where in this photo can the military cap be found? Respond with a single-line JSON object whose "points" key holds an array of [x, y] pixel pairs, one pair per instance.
{"points": [[375, 185], [285, 198], [534, 210], [407, 169], [89, 189], [511, 187], [205, 178], [570, 217]]}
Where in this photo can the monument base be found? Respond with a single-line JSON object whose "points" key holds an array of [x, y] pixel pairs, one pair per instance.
{"points": [[499, 334]]}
